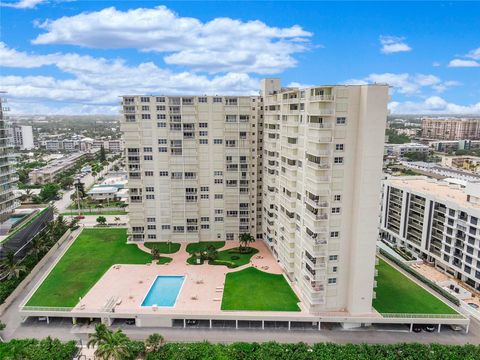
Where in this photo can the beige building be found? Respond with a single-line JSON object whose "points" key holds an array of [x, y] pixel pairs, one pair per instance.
{"points": [[299, 168], [436, 221], [451, 128], [470, 163], [50, 172]]}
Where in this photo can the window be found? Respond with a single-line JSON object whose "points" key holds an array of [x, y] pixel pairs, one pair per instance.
{"points": [[334, 269], [334, 234], [204, 226], [152, 236], [335, 210], [151, 227], [218, 196], [341, 120], [204, 218], [145, 116], [148, 173], [203, 133], [162, 141], [332, 280], [217, 99], [203, 125], [203, 188], [162, 149], [338, 160], [202, 100], [218, 218], [144, 99], [160, 99], [165, 227], [147, 157], [218, 181], [204, 196], [161, 125], [150, 197], [218, 173], [150, 219], [333, 257], [149, 189], [163, 173], [177, 175], [337, 197], [218, 141], [203, 141], [160, 107], [339, 147], [147, 149]]}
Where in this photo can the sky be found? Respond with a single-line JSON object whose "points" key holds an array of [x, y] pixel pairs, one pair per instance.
{"points": [[78, 57]]}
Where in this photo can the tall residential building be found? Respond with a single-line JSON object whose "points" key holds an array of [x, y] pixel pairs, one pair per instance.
{"points": [[437, 221], [451, 128], [323, 149], [22, 136], [299, 168], [194, 166], [8, 177]]}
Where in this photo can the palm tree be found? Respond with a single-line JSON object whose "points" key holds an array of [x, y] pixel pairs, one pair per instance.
{"points": [[38, 245], [117, 219], [245, 240], [98, 336], [115, 346], [11, 268], [154, 343]]}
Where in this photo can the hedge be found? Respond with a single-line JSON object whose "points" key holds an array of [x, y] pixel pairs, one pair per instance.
{"points": [[32, 349], [422, 278]]}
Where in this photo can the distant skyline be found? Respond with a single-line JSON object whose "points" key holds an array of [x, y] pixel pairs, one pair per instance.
{"points": [[78, 57]]}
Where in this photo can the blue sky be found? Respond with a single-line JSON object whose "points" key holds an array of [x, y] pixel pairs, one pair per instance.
{"points": [[77, 57]]}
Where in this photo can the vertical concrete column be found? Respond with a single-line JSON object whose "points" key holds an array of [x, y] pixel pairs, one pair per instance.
{"points": [[439, 327], [48, 320], [236, 324], [289, 325], [184, 323], [210, 323], [74, 321], [411, 327], [319, 326], [263, 324]]}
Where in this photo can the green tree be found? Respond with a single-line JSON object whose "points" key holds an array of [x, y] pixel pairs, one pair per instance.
{"points": [[154, 343], [116, 219], [102, 155], [66, 182], [11, 269], [98, 336], [416, 156], [48, 192], [155, 253], [245, 240], [395, 138], [38, 246], [80, 187], [115, 346], [101, 220]]}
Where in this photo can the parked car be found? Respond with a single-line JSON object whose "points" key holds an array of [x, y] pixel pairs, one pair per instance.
{"points": [[79, 217], [417, 328], [456, 327], [130, 321], [429, 328]]}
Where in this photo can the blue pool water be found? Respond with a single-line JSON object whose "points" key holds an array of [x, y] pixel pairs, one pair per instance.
{"points": [[164, 291]]}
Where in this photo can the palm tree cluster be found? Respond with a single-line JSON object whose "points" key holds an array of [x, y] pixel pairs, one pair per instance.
{"points": [[115, 345], [245, 241], [210, 254]]}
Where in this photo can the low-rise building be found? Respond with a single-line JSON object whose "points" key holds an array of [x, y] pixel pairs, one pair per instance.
{"points": [[49, 172], [103, 193], [437, 222], [469, 163], [402, 149]]}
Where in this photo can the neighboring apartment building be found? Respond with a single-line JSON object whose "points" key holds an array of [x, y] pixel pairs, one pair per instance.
{"points": [[284, 167], [8, 176], [402, 149], [437, 221], [108, 145], [22, 136], [451, 128], [470, 163], [49, 172]]}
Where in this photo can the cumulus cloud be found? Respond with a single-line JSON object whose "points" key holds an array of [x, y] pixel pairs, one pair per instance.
{"points": [[220, 45], [23, 4], [474, 54], [432, 105], [96, 83], [406, 83], [463, 63], [393, 44]]}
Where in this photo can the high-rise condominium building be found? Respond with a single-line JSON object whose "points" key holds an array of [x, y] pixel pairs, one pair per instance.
{"points": [[8, 177], [22, 136], [451, 128], [299, 168], [437, 221]]}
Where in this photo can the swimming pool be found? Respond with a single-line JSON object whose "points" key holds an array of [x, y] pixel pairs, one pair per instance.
{"points": [[164, 291]]}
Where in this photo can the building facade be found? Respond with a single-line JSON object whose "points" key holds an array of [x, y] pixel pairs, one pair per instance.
{"points": [[23, 137], [436, 221], [8, 176], [451, 128], [403, 149], [284, 167]]}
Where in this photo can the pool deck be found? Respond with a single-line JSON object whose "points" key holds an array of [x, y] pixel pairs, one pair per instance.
{"points": [[125, 286]]}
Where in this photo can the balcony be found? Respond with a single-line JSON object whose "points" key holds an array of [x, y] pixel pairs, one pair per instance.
{"points": [[322, 98], [313, 125], [317, 204]]}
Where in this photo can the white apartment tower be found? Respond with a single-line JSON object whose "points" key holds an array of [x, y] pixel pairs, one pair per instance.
{"points": [[22, 136], [8, 176], [193, 166], [299, 168]]}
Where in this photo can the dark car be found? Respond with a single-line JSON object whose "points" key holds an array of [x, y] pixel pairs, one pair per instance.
{"points": [[130, 321], [417, 328], [429, 328]]}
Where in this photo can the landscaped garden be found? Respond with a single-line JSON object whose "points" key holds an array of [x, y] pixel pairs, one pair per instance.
{"points": [[252, 289], [84, 263], [163, 247], [395, 293]]}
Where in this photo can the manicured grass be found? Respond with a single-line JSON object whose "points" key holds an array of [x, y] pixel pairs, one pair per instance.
{"points": [[84, 263], [110, 212], [233, 258], [164, 247], [203, 245], [398, 294], [252, 289]]}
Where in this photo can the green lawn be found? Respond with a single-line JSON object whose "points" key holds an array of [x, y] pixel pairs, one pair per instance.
{"points": [[110, 212], [203, 245], [233, 258], [398, 294], [164, 247], [252, 289], [84, 263]]}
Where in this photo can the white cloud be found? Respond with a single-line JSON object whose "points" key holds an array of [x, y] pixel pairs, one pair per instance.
{"points": [[23, 4], [220, 45], [435, 64], [474, 54], [96, 83], [393, 44], [463, 63], [406, 83], [432, 105]]}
